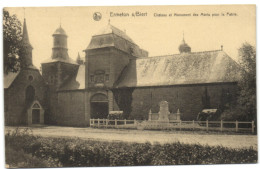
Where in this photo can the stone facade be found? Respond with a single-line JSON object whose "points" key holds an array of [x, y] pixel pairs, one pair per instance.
{"points": [[15, 96], [117, 75]]}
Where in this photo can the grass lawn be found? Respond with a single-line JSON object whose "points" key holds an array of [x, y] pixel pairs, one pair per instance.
{"points": [[142, 136]]}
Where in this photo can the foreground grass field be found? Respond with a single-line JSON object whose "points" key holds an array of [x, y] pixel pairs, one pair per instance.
{"points": [[203, 138], [23, 149]]}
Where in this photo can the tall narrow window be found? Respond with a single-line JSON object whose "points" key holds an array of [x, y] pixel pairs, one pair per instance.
{"points": [[51, 79], [92, 78], [206, 99], [29, 94]]}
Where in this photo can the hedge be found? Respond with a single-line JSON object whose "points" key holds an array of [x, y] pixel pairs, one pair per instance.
{"points": [[70, 152]]}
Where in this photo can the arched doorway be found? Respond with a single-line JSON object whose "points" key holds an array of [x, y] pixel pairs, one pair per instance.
{"points": [[35, 113], [99, 106]]}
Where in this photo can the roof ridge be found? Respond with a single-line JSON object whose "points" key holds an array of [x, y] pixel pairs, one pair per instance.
{"points": [[180, 54]]}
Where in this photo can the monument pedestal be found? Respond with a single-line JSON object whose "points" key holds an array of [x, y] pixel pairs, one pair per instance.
{"points": [[164, 112]]}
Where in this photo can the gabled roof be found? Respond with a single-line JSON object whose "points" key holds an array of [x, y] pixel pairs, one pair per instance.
{"points": [[179, 69], [77, 81], [9, 78]]}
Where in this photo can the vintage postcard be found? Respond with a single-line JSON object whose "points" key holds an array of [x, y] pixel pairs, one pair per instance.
{"points": [[129, 85]]}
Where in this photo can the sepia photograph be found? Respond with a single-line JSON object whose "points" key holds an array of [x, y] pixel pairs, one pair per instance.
{"points": [[102, 86]]}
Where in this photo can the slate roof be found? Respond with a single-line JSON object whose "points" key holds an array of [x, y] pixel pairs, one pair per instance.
{"points": [[60, 31], [9, 78], [111, 36], [110, 29], [68, 60], [25, 36], [187, 68], [77, 81]]}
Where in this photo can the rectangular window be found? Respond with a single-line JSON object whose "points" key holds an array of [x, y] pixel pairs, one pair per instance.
{"points": [[51, 79], [91, 78], [107, 77]]}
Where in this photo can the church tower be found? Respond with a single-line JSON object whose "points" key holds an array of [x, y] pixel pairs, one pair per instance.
{"points": [[60, 66], [60, 49], [25, 52], [57, 70]]}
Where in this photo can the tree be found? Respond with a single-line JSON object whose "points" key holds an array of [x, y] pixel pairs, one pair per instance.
{"points": [[12, 33], [247, 84]]}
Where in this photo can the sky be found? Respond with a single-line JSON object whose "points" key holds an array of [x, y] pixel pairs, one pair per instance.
{"points": [[158, 35]]}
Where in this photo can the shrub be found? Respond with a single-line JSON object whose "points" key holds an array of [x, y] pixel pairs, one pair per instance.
{"points": [[19, 159], [20, 139], [236, 113], [68, 152]]}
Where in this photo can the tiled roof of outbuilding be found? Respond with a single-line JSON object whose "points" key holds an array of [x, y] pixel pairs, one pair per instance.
{"points": [[186, 68]]}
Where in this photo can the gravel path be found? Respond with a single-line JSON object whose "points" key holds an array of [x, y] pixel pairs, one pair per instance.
{"points": [[233, 141]]}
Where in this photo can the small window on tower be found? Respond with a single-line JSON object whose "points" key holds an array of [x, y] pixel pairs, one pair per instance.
{"points": [[51, 79], [91, 78], [107, 77]]}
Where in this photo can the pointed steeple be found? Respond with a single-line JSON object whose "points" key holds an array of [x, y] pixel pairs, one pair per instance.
{"points": [[79, 60], [25, 40], [25, 52]]}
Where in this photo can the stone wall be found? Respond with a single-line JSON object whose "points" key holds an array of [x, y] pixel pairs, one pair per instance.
{"points": [[55, 74], [71, 108], [74, 107], [189, 99]]}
